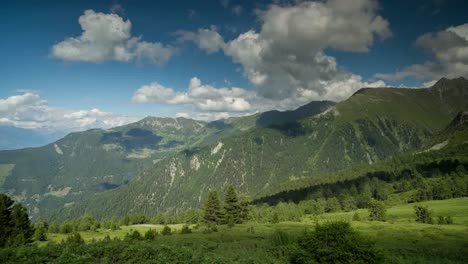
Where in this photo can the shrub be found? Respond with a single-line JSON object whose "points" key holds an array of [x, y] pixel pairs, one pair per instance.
{"points": [[75, 238], [251, 230], [356, 217], [423, 214], [151, 234], [186, 230], [334, 242], [40, 233], [166, 231], [377, 210], [275, 218], [134, 235], [210, 229], [445, 220], [279, 238]]}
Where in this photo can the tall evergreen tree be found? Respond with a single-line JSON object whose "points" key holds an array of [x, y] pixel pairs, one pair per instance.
{"points": [[5, 218], [15, 227], [212, 211], [232, 206], [22, 230], [245, 214]]}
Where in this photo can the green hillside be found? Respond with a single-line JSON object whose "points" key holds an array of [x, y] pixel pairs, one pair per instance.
{"points": [[85, 163], [372, 125]]}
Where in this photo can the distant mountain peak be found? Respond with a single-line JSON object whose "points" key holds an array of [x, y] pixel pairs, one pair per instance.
{"points": [[445, 83]]}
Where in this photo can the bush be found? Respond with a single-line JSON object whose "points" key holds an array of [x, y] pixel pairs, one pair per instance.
{"points": [[186, 230], [334, 242], [445, 220], [423, 214], [251, 230], [75, 238], [135, 235], [151, 234], [377, 210], [356, 217], [279, 238], [40, 233], [210, 229], [275, 218], [166, 231]]}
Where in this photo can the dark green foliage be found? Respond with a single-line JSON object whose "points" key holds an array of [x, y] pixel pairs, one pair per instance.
{"points": [[133, 235], [333, 205], [348, 203], [74, 238], [335, 242], [356, 217], [280, 238], [151, 234], [5, 218], [185, 230], [275, 218], [40, 231], [166, 231], [212, 211], [447, 220], [15, 227], [423, 214], [232, 207], [377, 210]]}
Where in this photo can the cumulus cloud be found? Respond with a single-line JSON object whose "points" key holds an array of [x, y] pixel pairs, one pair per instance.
{"points": [[286, 61], [286, 58], [31, 111], [108, 37], [212, 103], [202, 97], [448, 51], [207, 39]]}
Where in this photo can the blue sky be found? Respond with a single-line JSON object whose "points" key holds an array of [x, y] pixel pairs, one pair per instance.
{"points": [[49, 81]]}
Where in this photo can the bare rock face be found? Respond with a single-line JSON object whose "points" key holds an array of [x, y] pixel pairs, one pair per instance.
{"points": [[460, 121]]}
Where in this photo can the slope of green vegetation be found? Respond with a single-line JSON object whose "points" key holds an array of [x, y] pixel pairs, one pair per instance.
{"points": [[371, 126], [84, 163], [400, 239]]}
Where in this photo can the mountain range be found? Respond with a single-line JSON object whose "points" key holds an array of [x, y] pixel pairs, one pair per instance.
{"points": [[159, 164]]}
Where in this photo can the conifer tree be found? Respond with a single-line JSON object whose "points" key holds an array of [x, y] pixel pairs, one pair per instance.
{"points": [[232, 206], [15, 227], [212, 211], [22, 230], [5, 218]]}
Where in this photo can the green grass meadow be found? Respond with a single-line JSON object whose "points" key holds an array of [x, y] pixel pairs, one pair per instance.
{"points": [[401, 238]]}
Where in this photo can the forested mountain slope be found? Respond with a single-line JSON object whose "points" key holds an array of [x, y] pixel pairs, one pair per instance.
{"points": [[84, 163], [372, 125]]}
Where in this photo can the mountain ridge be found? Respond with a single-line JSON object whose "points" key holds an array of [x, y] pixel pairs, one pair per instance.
{"points": [[368, 127]]}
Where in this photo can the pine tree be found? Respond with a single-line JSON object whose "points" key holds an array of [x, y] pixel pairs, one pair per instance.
{"points": [[232, 206], [5, 218], [212, 210], [245, 214], [22, 230]]}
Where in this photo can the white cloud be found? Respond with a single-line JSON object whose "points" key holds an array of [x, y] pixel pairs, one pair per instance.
{"points": [[108, 37], [30, 111], [211, 103], [207, 39], [448, 51], [429, 83], [285, 60], [205, 98]]}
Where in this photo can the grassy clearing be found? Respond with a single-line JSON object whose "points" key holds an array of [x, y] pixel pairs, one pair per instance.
{"points": [[5, 170], [403, 239]]}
